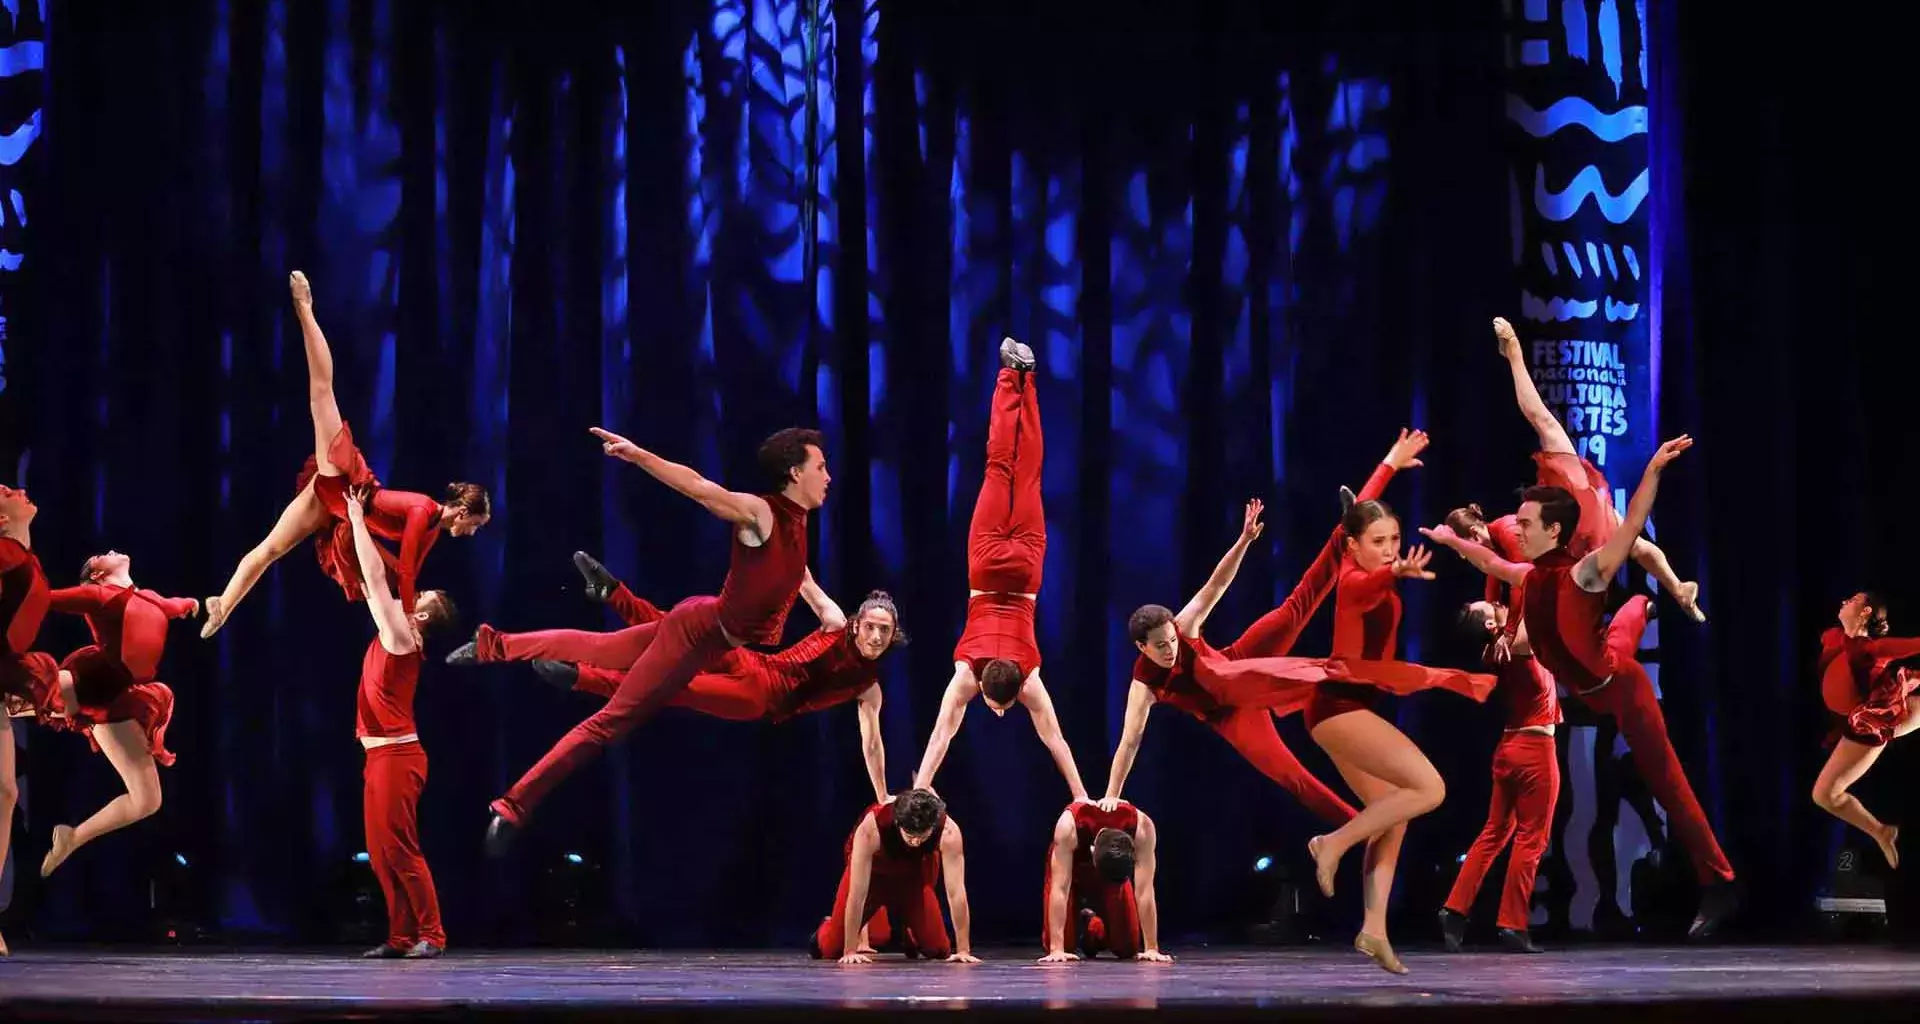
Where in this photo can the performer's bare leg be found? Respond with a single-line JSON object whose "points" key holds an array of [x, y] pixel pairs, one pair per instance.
{"points": [[1554, 440], [1847, 764], [9, 797], [305, 515], [126, 747]]}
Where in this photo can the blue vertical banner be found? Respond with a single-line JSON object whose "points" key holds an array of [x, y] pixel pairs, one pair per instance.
{"points": [[1578, 181], [23, 94]]}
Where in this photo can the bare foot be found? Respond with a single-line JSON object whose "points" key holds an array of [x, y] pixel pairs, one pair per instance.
{"points": [[1689, 597], [1323, 867], [302, 291], [1889, 839], [216, 617], [1380, 951], [1509, 341], [3, 946], [62, 849]]}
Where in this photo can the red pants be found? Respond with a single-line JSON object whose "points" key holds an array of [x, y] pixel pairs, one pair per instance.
{"points": [[710, 693], [1116, 916], [1007, 543], [675, 648], [395, 775], [1251, 732], [892, 901], [1526, 784]]}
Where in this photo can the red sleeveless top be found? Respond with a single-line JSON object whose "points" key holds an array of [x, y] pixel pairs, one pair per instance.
{"points": [[1088, 820], [1564, 623], [1176, 686], [23, 597], [387, 682], [897, 861], [1526, 693], [762, 582], [817, 673]]}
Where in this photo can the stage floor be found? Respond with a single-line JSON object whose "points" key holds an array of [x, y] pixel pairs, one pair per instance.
{"points": [[1776, 983]]}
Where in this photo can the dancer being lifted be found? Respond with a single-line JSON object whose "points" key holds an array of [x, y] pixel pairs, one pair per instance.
{"points": [[1176, 662], [1100, 869], [837, 663], [28, 678], [998, 657], [894, 857], [123, 708], [1563, 600], [768, 565], [413, 520], [1560, 466], [1868, 688]]}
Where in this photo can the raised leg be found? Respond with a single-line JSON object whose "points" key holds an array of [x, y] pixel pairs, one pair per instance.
{"points": [[320, 400], [1553, 436], [1648, 556], [302, 518], [126, 747]]}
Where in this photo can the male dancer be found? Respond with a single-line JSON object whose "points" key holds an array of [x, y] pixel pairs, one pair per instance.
{"points": [[27, 677], [1103, 861], [1526, 784], [832, 665], [1559, 465], [396, 769], [998, 657], [1171, 645], [894, 856], [127, 719], [1563, 600], [768, 565]]}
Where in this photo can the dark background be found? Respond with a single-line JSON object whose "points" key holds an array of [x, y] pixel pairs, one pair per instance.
{"points": [[1249, 240]]}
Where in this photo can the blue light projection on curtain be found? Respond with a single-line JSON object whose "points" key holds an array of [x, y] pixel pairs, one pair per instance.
{"points": [[1578, 137]]}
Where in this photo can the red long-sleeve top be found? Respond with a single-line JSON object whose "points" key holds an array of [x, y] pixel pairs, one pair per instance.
{"points": [[127, 623]]}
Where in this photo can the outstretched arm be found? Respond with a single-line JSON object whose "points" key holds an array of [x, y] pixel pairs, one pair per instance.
{"points": [[866, 840], [953, 708], [873, 748], [1059, 880], [1194, 615], [1477, 555], [396, 632], [1146, 843], [1140, 701], [1553, 436], [172, 607], [1040, 707], [87, 597], [731, 506], [1601, 564], [953, 868], [824, 607]]}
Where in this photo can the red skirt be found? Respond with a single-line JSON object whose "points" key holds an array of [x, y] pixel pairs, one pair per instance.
{"points": [[31, 679], [1589, 488], [333, 545], [1880, 712]]}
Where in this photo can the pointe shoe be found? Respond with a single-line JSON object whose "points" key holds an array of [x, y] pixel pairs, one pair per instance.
{"points": [[1380, 951], [1322, 872], [62, 848], [216, 617], [1508, 341], [560, 675], [598, 582], [1015, 356], [302, 290], [1518, 941], [1688, 598], [1453, 929], [1889, 843]]}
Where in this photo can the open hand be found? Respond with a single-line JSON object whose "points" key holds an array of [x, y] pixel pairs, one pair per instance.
{"points": [[1110, 804], [1252, 528], [1062, 957], [1669, 452], [1405, 453], [615, 445], [856, 958], [357, 498], [1442, 534], [1414, 564], [1502, 649], [1153, 956], [963, 958]]}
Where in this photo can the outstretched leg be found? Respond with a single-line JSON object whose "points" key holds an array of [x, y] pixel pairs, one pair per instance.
{"points": [[126, 747], [1648, 556], [305, 515], [1553, 436], [1845, 766]]}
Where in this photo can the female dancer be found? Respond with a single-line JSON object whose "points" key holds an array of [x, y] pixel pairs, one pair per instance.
{"points": [[27, 677], [1867, 689], [319, 502], [1393, 779], [1559, 465], [122, 708]]}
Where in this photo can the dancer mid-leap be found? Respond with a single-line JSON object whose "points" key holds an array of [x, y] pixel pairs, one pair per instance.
{"points": [[1868, 688]]}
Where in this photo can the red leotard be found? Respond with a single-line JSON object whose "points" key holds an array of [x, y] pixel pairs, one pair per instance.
{"points": [[407, 517], [1590, 490], [24, 673], [1860, 687], [114, 678]]}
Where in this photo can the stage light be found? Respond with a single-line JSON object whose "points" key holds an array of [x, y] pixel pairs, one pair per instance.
{"points": [[362, 858], [574, 858], [180, 859], [1263, 863], [1462, 859]]}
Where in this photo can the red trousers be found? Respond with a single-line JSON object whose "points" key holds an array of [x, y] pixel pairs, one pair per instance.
{"points": [[893, 901], [1526, 785], [1007, 542], [710, 693], [670, 652], [1251, 732], [1116, 916], [395, 775]]}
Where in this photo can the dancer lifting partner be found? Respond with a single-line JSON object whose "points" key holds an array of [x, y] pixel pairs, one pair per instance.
{"points": [[28, 678], [413, 520], [396, 770], [1100, 869], [998, 657], [123, 708], [1868, 689], [1563, 600], [834, 664], [767, 566], [894, 856], [1560, 466], [1174, 657], [1526, 785]]}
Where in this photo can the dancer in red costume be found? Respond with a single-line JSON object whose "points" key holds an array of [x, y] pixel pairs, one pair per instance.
{"points": [[1526, 785], [28, 678], [767, 568], [1100, 869], [998, 657], [1562, 601], [834, 664], [413, 520], [1559, 465], [124, 709], [894, 857], [396, 769], [1393, 779], [1869, 691], [1171, 647]]}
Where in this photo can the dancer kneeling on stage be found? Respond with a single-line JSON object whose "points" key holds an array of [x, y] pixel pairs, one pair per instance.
{"points": [[894, 857], [396, 768], [1100, 871]]}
